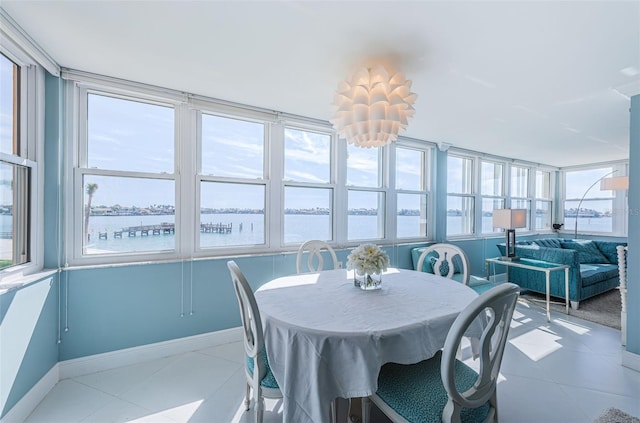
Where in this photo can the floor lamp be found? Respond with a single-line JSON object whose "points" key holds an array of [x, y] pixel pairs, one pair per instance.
{"points": [[509, 220], [606, 184]]}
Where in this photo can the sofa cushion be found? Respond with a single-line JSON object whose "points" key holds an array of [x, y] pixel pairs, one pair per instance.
{"points": [[609, 250], [587, 251], [548, 242], [594, 273]]}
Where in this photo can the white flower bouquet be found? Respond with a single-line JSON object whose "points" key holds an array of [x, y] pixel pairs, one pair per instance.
{"points": [[367, 260]]}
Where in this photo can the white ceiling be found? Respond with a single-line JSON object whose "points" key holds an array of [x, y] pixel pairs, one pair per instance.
{"points": [[528, 80]]}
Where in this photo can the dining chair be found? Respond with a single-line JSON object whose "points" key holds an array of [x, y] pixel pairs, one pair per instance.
{"points": [[441, 261], [259, 377], [314, 249], [443, 388]]}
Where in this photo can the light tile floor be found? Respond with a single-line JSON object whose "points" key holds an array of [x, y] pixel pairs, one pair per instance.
{"points": [[566, 371]]}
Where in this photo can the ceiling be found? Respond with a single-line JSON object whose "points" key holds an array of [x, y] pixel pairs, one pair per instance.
{"points": [[538, 81]]}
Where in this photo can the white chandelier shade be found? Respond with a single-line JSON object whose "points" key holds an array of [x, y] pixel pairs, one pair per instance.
{"points": [[371, 108]]}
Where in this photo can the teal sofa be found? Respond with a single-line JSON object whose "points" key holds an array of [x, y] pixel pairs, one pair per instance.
{"points": [[593, 267]]}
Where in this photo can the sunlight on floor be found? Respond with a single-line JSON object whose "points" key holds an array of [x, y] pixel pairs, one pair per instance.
{"points": [[185, 411], [574, 327], [536, 344], [271, 406]]}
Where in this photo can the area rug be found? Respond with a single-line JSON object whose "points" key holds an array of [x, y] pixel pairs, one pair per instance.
{"points": [[614, 415], [603, 309]]}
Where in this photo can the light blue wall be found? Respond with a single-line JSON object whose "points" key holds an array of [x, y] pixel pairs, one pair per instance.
{"points": [[29, 315], [633, 292], [112, 308], [29, 349]]}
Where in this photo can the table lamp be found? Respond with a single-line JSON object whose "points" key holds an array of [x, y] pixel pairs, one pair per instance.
{"points": [[509, 220]]}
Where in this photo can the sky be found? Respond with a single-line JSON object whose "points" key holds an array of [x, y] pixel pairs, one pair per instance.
{"points": [[132, 136]]}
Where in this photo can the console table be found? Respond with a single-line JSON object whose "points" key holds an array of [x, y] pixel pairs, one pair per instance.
{"points": [[537, 266]]}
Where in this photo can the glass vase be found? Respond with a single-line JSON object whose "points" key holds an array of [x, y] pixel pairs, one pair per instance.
{"points": [[369, 281]]}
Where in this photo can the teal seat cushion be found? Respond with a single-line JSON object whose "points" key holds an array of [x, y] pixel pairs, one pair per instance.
{"points": [[594, 273], [587, 250], [268, 381], [416, 391], [480, 285]]}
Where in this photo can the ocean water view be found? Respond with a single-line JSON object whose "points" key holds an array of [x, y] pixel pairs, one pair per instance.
{"points": [[249, 229]]}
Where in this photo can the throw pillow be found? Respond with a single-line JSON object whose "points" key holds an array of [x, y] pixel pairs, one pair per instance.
{"points": [[548, 242], [587, 250], [444, 267]]}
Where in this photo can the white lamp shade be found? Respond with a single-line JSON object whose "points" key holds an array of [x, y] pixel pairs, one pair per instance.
{"points": [[612, 184], [372, 107], [510, 218]]}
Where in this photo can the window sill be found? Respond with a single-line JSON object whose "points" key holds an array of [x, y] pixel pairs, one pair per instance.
{"points": [[15, 282]]}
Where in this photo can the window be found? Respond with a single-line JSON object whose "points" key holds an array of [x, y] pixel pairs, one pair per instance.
{"points": [[543, 210], [587, 208], [233, 188], [460, 196], [163, 175], [520, 192], [20, 94], [365, 198], [308, 189], [126, 175], [411, 192], [492, 190]]}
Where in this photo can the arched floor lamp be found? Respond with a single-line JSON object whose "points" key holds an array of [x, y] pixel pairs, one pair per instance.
{"points": [[606, 184]]}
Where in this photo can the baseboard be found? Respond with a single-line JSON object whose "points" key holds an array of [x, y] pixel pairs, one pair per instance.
{"points": [[31, 399], [106, 361], [631, 360]]}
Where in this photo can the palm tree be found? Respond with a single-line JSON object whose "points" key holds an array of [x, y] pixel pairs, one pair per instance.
{"points": [[91, 189]]}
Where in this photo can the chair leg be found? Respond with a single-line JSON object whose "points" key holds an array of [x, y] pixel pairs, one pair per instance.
{"points": [[493, 401], [366, 409], [334, 416], [259, 404], [247, 398]]}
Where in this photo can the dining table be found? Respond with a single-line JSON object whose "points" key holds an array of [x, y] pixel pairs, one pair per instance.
{"points": [[326, 338]]}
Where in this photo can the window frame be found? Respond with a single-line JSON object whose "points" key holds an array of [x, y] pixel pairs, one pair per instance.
{"points": [[30, 153], [508, 199], [472, 195], [425, 183], [77, 156], [288, 183], [619, 201], [483, 196], [188, 175]]}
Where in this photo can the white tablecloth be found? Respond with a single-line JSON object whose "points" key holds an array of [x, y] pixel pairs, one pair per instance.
{"points": [[326, 338]]}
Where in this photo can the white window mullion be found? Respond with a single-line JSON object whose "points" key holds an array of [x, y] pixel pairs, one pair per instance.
{"points": [[274, 208], [186, 182], [340, 195], [391, 194]]}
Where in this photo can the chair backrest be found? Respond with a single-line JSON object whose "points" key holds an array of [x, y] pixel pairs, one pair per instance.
{"points": [[314, 249], [446, 253], [495, 309], [251, 323]]}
